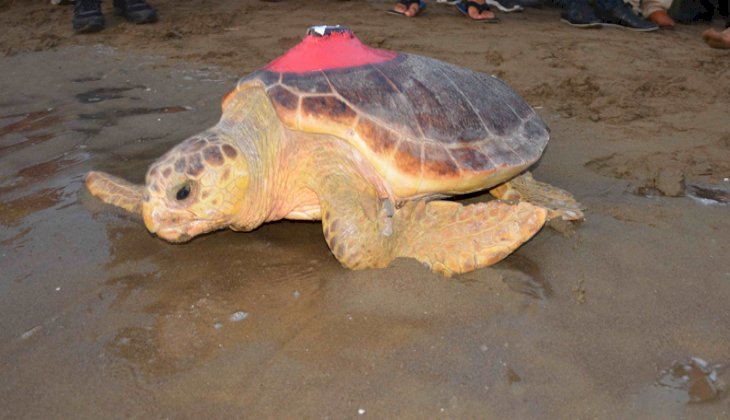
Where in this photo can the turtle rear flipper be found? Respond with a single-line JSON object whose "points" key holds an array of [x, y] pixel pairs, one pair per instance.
{"points": [[450, 238], [115, 191], [558, 202]]}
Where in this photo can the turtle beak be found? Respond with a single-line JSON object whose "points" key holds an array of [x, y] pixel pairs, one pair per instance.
{"points": [[156, 223], [150, 220], [159, 223]]}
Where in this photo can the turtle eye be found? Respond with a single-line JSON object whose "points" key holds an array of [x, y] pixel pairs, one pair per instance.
{"points": [[183, 192]]}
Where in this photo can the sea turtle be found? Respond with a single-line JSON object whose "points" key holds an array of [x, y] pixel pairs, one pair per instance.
{"points": [[365, 140]]}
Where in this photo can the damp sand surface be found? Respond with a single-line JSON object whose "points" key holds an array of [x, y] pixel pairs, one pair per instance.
{"points": [[624, 316]]}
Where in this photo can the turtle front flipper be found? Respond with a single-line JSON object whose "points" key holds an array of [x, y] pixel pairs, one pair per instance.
{"points": [[115, 191], [357, 228], [365, 232], [524, 188]]}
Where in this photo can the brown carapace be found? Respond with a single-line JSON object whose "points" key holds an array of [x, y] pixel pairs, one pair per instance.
{"points": [[427, 126]]}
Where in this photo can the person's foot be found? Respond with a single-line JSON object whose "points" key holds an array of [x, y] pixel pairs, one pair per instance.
{"points": [[87, 16], [479, 10], [406, 8], [717, 39], [135, 11], [580, 15], [506, 6], [619, 14], [661, 18]]}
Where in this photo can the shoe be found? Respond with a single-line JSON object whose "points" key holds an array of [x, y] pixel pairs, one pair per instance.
{"points": [[580, 15], [135, 11], [619, 14], [87, 16], [506, 6], [661, 18]]}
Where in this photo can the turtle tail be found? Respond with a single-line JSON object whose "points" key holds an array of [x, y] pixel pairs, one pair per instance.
{"points": [[115, 191]]}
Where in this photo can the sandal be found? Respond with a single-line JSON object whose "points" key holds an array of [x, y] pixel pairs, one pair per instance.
{"points": [[464, 9], [407, 4]]}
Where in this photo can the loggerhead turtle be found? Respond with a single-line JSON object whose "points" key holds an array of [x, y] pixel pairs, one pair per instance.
{"points": [[364, 140]]}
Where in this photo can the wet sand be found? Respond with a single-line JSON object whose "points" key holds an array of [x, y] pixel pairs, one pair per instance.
{"points": [[100, 319]]}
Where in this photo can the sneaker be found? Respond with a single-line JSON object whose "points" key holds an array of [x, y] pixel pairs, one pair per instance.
{"points": [[580, 15], [87, 16], [135, 11], [619, 14], [506, 6]]}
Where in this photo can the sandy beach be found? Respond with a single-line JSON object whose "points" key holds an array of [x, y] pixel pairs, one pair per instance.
{"points": [[626, 315]]}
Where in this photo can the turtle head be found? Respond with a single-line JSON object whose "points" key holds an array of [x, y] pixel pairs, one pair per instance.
{"points": [[196, 187]]}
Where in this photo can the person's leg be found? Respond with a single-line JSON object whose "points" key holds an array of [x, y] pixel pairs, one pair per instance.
{"points": [[579, 13], [716, 39], [135, 11], [618, 13], [480, 11], [506, 6], [635, 5], [656, 11], [535, 4], [409, 8], [87, 16], [477, 10], [722, 7]]}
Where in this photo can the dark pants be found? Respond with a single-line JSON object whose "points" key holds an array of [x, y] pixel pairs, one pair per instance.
{"points": [[599, 4], [687, 11]]}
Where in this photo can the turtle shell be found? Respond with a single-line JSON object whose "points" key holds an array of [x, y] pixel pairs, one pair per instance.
{"points": [[428, 127]]}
